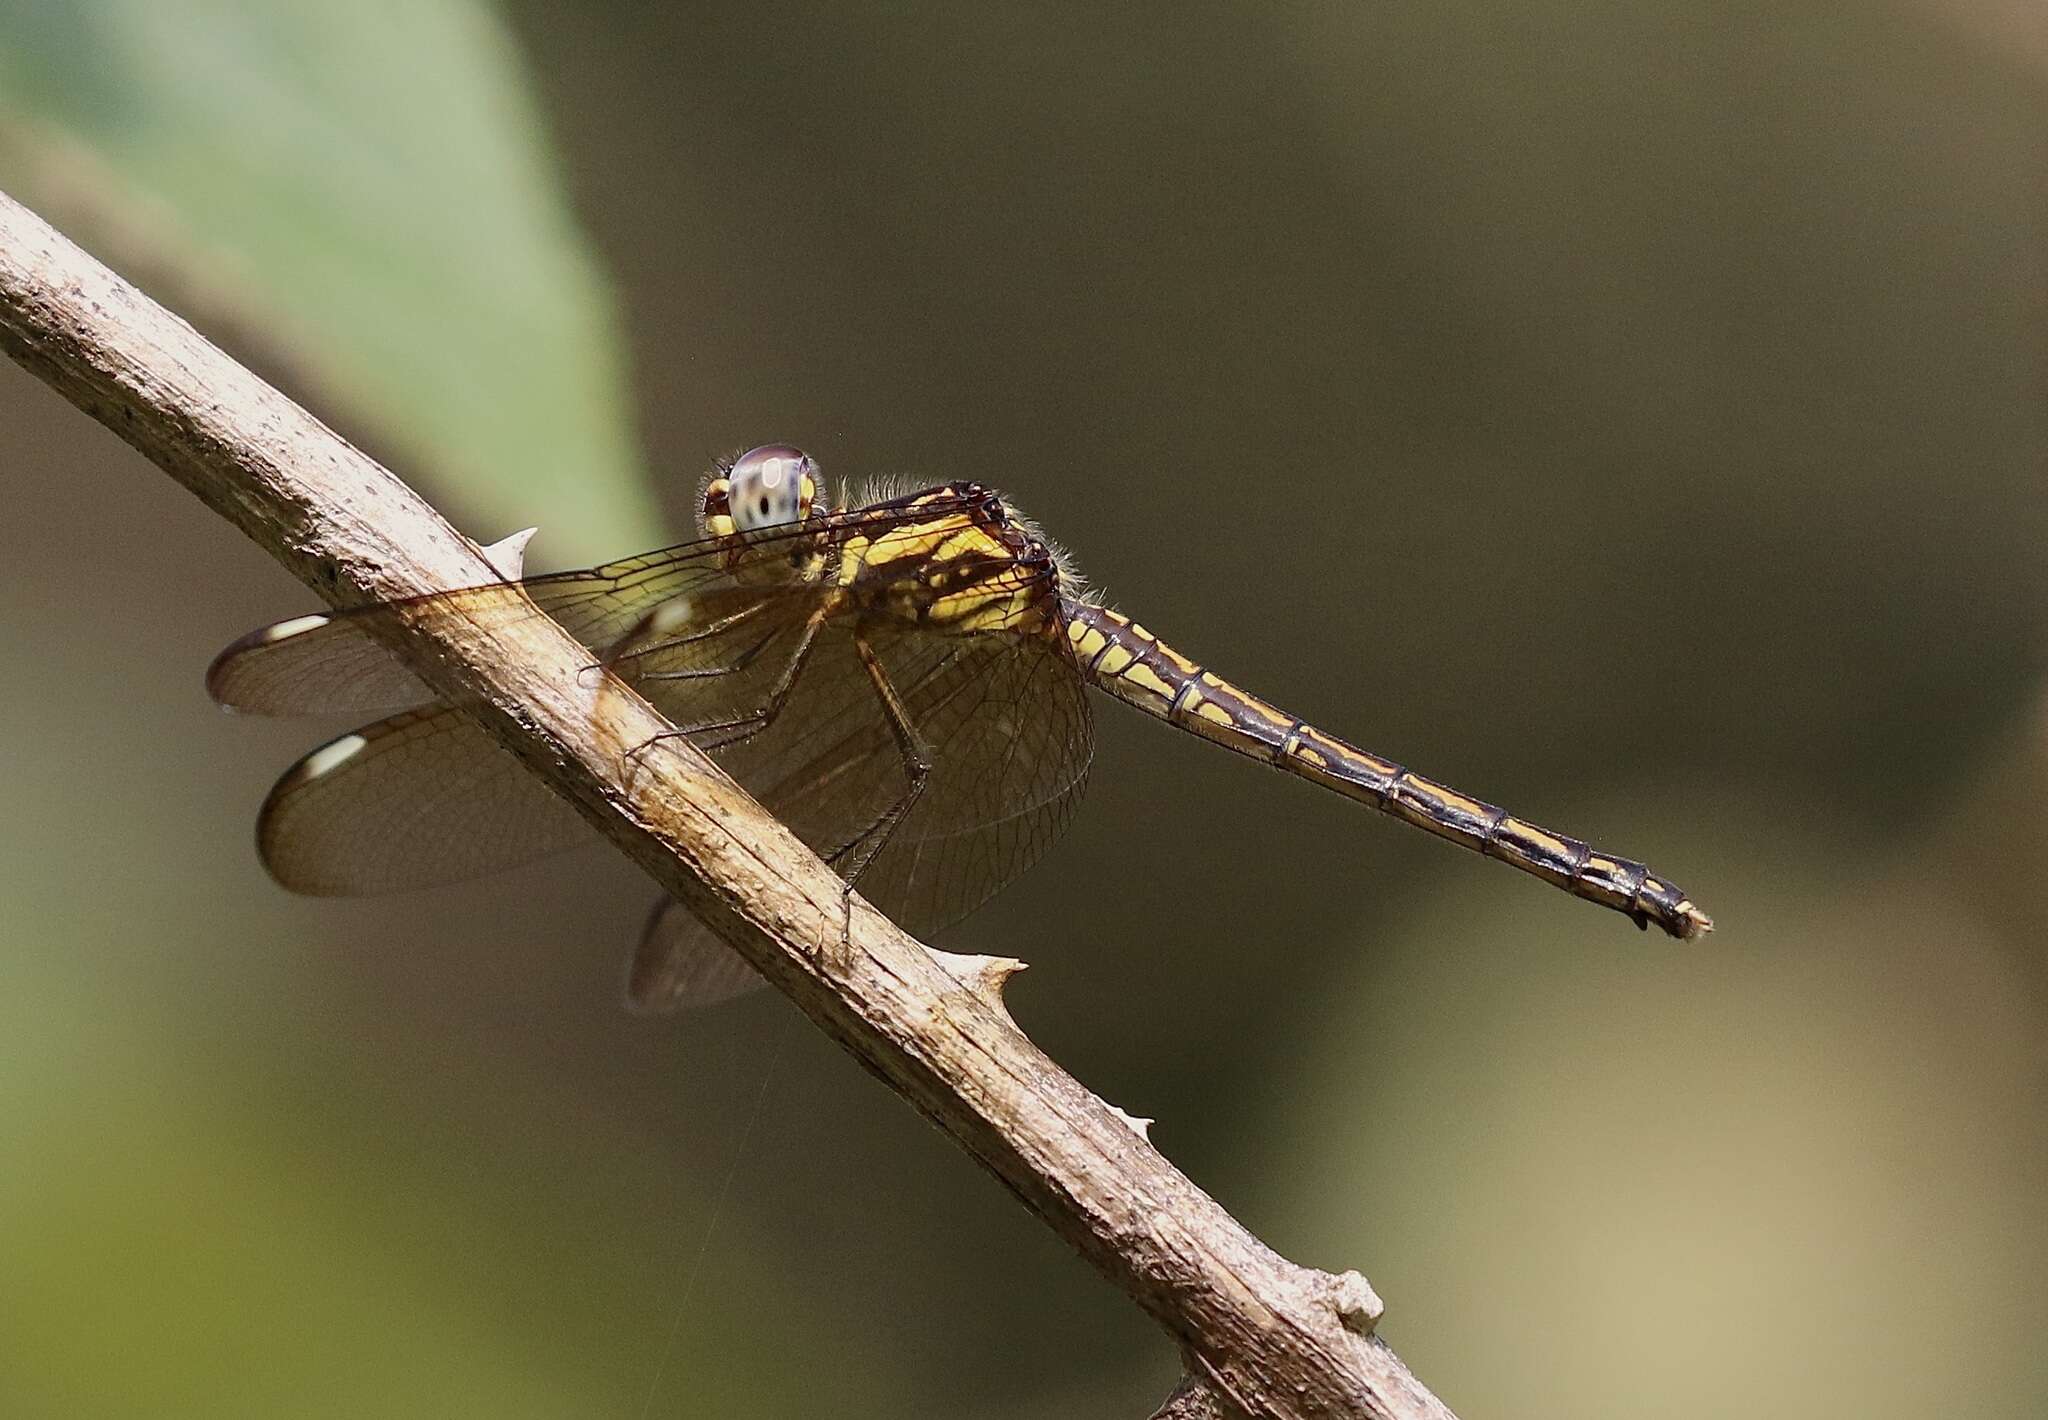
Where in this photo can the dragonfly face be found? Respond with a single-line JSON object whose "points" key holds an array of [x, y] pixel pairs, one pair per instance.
{"points": [[772, 486], [902, 683], [764, 494]]}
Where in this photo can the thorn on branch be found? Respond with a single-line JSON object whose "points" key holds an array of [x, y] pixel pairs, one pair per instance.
{"points": [[508, 554], [984, 976], [1357, 1305], [1140, 1125]]}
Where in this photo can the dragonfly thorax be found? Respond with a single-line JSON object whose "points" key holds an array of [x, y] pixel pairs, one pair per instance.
{"points": [[772, 486]]}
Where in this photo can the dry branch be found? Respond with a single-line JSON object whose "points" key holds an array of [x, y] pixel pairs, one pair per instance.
{"points": [[1261, 1335]]}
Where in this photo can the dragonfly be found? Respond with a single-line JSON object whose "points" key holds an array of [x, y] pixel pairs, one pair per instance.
{"points": [[902, 681]]}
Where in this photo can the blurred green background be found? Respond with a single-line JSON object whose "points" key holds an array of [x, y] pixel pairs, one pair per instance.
{"points": [[1632, 413]]}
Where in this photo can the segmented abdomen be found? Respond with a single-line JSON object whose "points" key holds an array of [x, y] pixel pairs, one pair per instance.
{"points": [[1132, 664]]}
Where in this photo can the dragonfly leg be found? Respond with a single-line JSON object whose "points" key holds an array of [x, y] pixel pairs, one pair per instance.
{"points": [[854, 857], [737, 664], [712, 735], [628, 647]]}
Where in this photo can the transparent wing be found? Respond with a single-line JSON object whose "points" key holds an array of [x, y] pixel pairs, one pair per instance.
{"points": [[339, 661], [679, 963], [1005, 725], [427, 796], [420, 798], [1010, 734]]}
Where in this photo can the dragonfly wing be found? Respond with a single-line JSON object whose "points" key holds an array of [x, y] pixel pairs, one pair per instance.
{"points": [[679, 963], [1010, 738], [310, 665], [1005, 726], [340, 661], [427, 796], [419, 798]]}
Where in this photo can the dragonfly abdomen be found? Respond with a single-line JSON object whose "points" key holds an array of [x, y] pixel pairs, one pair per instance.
{"points": [[1127, 661]]}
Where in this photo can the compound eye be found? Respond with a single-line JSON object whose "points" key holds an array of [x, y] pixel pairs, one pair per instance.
{"points": [[772, 486]]}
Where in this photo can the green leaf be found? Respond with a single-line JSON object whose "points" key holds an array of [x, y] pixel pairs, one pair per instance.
{"points": [[363, 199]]}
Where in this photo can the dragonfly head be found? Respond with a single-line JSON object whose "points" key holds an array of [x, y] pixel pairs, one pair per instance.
{"points": [[771, 486]]}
